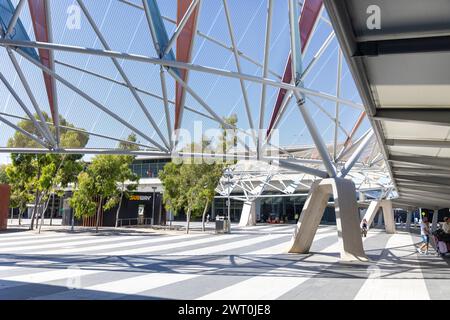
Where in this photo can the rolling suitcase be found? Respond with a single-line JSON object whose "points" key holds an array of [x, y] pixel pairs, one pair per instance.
{"points": [[442, 247]]}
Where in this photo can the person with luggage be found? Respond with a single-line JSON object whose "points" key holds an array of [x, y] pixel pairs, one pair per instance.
{"points": [[425, 234], [364, 228]]}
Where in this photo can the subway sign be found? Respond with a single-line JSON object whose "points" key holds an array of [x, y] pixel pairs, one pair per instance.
{"points": [[140, 198]]}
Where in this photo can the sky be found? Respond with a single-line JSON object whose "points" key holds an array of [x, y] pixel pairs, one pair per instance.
{"points": [[125, 29]]}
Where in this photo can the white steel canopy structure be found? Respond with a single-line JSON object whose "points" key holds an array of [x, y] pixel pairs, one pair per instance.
{"points": [[402, 71], [111, 87], [155, 68]]}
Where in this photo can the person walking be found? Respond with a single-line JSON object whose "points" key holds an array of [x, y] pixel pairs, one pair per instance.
{"points": [[425, 234], [364, 228]]}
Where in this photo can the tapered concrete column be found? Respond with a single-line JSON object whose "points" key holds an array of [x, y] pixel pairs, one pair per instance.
{"points": [[248, 215], [372, 212], [380, 220], [387, 215], [347, 219]]}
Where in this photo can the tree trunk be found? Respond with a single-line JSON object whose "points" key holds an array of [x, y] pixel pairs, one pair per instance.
{"points": [[33, 215], [118, 209], [43, 214], [188, 220], [204, 214], [53, 209], [20, 216], [98, 213]]}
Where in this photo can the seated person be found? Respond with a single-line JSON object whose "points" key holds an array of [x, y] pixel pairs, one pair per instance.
{"points": [[446, 225]]}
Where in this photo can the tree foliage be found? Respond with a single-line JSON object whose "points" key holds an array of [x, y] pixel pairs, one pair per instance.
{"points": [[189, 186], [34, 177], [104, 183], [3, 174]]}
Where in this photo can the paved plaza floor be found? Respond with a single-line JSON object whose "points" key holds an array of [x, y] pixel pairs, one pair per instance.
{"points": [[250, 263]]}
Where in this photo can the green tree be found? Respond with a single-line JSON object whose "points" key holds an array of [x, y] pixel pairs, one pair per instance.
{"points": [[104, 184], [3, 174], [45, 172], [126, 175], [20, 178], [190, 186]]}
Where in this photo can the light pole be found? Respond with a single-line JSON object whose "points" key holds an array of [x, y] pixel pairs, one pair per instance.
{"points": [[153, 206]]}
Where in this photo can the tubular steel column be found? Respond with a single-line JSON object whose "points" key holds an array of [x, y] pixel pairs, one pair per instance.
{"points": [[297, 71], [307, 22]]}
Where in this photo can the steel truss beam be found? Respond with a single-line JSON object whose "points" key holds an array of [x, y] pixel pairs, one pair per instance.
{"points": [[179, 65], [443, 163], [147, 93], [418, 143], [123, 74], [402, 46], [92, 100], [82, 131], [437, 116], [428, 179]]}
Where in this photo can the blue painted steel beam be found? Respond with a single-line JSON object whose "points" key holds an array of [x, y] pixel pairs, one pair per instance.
{"points": [[19, 33], [160, 36]]}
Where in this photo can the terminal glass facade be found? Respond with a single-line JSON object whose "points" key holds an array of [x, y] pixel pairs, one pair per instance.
{"points": [[148, 168]]}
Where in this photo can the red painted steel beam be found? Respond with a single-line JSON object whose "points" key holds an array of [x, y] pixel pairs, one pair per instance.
{"points": [[310, 14], [40, 25], [5, 192], [185, 44]]}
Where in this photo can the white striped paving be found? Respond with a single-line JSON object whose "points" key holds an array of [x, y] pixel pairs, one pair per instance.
{"points": [[142, 283], [60, 244], [37, 241], [183, 243], [269, 287], [411, 285], [35, 238], [257, 288], [270, 228], [118, 244], [284, 247], [135, 285], [45, 276], [229, 246]]}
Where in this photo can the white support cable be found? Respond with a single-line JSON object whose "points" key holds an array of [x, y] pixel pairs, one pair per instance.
{"points": [[147, 93], [181, 26], [26, 133], [49, 137], [166, 105], [22, 105], [15, 18], [262, 111], [338, 94], [181, 65], [92, 100], [238, 65], [209, 38], [356, 155], [83, 131], [123, 74]]}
